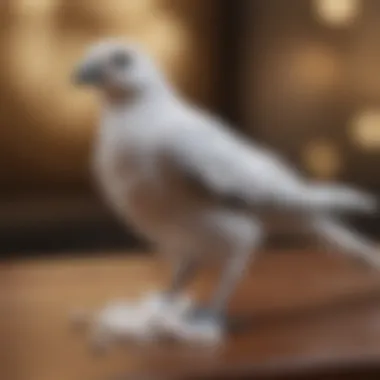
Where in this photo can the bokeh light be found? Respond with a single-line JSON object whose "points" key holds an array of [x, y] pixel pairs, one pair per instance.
{"points": [[322, 159], [365, 129], [313, 68], [337, 13]]}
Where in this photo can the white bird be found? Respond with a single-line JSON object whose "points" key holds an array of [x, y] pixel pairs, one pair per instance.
{"points": [[191, 184]]}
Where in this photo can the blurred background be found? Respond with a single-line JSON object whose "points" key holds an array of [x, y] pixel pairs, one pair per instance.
{"points": [[301, 76]]}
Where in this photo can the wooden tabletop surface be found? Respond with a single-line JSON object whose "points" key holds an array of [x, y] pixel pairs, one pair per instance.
{"points": [[294, 310]]}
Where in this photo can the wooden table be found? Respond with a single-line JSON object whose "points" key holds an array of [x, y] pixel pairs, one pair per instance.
{"points": [[303, 312]]}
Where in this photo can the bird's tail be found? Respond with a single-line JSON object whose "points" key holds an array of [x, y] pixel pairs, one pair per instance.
{"points": [[335, 198], [347, 241]]}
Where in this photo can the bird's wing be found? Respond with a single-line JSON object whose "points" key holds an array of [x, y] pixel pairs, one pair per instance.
{"points": [[206, 153]]}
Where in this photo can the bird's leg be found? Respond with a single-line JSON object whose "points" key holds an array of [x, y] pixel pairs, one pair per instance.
{"points": [[210, 323], [184, 271], [232, 273]]}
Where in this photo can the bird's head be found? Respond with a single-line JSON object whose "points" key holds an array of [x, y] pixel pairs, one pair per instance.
{"points": [[118, 69]]}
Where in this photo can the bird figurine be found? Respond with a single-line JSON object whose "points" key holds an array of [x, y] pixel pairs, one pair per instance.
{"points": [[197, 189]]}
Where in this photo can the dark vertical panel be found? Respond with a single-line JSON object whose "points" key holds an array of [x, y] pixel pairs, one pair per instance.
{"points": [[231, 33]]}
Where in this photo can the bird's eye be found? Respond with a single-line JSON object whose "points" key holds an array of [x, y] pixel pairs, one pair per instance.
{"points": [[121, 59]]}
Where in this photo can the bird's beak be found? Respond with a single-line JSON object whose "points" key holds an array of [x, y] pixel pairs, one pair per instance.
{"points": [[88, 73]]}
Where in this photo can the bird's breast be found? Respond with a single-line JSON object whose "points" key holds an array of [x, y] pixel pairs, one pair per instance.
{"points": [[129, 178]]}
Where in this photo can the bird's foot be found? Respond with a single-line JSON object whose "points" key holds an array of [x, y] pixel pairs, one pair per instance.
{"points": [[198, 326], [142, 321], [154, 318]]}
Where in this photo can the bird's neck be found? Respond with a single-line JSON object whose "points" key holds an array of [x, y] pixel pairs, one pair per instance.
{"points": [[159, 91]]}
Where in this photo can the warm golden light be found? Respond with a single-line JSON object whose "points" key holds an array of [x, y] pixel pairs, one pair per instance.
{"points": [[167, 40], [41, 55], [33, 6], [121, 16], [322, 159], [49, 120], [337, 12], [314, 68], [365, 129]]}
